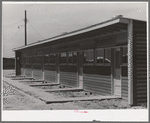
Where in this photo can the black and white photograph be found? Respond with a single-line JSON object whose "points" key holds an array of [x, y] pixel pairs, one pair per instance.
{"points": [[75, 61]]}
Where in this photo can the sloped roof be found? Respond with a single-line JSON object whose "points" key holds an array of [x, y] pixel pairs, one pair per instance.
{"points": [[111, 21]]}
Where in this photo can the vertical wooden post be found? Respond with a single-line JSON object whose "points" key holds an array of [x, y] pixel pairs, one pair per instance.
{"points": [[130, 62], [42, 57], [32, 65], [80, 69], [57, 69], [112, 71], [16, 62]]}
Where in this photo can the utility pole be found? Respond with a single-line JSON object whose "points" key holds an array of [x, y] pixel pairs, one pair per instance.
{"points": [[25, 29]]}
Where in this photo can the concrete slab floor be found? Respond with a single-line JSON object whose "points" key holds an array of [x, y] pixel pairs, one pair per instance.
{"points": [[62, 100]]}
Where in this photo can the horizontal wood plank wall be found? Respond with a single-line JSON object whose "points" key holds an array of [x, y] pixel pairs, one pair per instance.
{"points": [[37, 72], [50, 73], [140, 63], [97, 79], [124, 89], [28, 71], [22, 71], [68, 76]]}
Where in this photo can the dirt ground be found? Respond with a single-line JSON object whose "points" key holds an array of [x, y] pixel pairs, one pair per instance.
{"points": [[14, 99]]}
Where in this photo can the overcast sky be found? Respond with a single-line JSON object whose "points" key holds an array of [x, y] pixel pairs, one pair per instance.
{"points": [[46, 20]]}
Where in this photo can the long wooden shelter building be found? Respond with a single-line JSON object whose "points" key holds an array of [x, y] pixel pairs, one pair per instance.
{"points": [[109, 58]]}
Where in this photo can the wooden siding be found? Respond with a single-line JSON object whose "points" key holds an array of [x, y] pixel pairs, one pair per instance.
{"points": [[50, 73], [22, 71], [97, 79], [124, 82], [37, 72], [28, 72], [68, 76], [140, 63], [121, 39], [50, 76], [97, 83]]}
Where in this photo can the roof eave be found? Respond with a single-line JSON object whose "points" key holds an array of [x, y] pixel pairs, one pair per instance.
{"points": [[119, 20]]}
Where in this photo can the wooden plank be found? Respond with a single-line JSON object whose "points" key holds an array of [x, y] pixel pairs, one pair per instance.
{"points": [[68, 77], [68, 72], [97, 83], [37, 74], [99, 89], [96, 76], [96, 79]]}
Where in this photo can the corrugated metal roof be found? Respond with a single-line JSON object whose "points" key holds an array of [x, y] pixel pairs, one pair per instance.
{"points": [[80, 31]]}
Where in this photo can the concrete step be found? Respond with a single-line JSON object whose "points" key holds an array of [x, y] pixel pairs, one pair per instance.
{"points": [[22, 78], [7, 76], [62, 100], [63, 89], [44, 84], [31, 81]]}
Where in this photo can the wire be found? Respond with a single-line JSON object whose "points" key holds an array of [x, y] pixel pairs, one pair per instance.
{"points": [[35, 30]]}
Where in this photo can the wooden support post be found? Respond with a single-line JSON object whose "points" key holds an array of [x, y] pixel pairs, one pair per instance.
{"points": [[130, 62], [16, 63], [32, 65], [57, 69], [112, 71], [80, 70], [42, 57]]}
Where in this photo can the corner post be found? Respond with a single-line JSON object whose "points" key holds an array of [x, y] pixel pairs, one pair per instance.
{"points": [[130, 62], [16, 63]]}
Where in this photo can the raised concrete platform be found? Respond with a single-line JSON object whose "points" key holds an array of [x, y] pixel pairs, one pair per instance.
{"points": [[7, 76], [49, 97], [22, 78], [63, 89], [62, 100], [45, 84], [31, 81]]}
